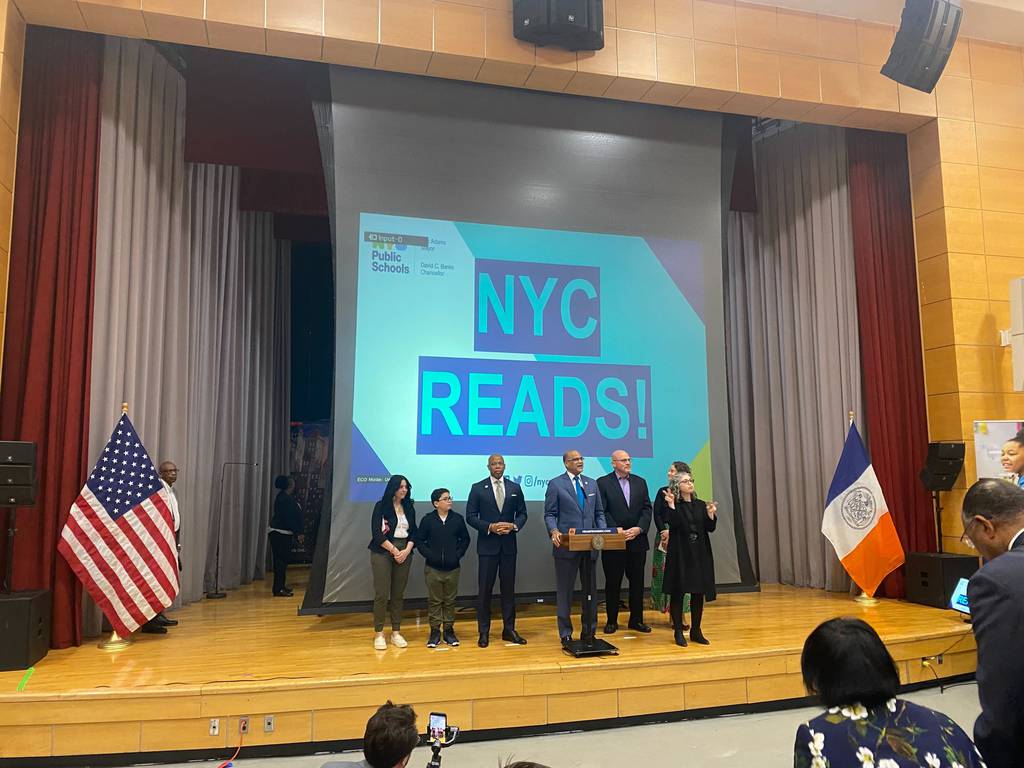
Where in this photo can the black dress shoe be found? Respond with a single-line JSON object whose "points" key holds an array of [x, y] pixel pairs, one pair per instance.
{"points": [[698, 637], [566, 642], [151, 628], [511, 636], [483, 641], [282, 593], [640, 627], [163, 621], [680, 638], [610, 628]]}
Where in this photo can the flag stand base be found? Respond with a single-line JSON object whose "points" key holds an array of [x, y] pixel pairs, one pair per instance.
{"points": [[866, 600], [114, 643]]}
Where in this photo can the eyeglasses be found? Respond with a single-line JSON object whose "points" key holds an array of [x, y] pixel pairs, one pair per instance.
{"points": [[445, 498], [575, 458], [963, 537], [687, 480]]}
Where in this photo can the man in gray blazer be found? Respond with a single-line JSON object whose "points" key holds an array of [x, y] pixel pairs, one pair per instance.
{"points": [[572, 501], [993, 517]]}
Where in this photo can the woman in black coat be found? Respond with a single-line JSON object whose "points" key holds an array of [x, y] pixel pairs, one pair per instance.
{"points": [[685, 522], [392, 536], [285, 524]]}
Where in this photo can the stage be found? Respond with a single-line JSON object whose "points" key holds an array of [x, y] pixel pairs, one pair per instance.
{"points": [[250, 655]]}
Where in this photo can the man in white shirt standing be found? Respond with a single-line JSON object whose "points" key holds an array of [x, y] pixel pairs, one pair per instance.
{"points": [[168, 476]]}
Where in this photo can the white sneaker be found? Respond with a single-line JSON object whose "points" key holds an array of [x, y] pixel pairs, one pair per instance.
{"points": [[379, 643], [397, 640]]}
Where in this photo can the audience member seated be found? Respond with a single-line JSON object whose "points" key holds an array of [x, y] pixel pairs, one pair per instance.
{"points": [[390, 738], [993, 517], [846, 665]]}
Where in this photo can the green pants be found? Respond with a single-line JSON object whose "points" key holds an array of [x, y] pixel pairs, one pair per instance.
{"points": [[442, 587], [389, 580]]}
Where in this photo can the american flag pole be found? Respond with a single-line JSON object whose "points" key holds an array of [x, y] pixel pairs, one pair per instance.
{"points": [[115, 642], [119, 535]]}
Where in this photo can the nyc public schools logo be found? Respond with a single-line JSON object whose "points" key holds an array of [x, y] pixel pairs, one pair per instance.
{"points": [[858, 507]]}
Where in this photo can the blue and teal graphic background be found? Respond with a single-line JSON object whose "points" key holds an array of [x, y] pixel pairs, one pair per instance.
{"points": [[418, 310]]}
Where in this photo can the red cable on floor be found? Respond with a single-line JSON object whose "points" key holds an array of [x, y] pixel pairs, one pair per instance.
{"points": [[230, 762]]}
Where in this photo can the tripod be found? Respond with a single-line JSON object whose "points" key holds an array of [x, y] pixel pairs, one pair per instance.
{"points": [[438, 745]]}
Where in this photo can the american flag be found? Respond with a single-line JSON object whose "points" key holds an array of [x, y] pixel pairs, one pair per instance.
{"points": [[119, 538]]}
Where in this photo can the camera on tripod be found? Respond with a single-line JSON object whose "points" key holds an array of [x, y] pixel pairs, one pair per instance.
{"points": [[440, 735]]}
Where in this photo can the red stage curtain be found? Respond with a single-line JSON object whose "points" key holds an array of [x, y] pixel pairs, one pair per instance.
{"points": [[890, 337], [49, 311]]}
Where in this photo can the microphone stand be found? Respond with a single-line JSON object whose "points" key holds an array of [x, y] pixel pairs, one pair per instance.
{"points": [[9, 562], [217, 593]]}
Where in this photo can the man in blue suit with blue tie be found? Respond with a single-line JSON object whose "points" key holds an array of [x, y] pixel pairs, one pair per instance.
{"points": [[572, 501]]}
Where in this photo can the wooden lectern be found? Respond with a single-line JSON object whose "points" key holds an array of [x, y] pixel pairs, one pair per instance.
{"points": [[594, 538]]}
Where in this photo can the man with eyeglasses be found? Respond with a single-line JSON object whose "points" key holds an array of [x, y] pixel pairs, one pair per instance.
{"points": [[627, 505], [442, 539], [993, 518], [572, 501]]}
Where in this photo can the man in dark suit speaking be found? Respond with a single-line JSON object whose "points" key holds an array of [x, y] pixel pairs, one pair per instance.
{"points": [[497, 509], [572, 501], [627, 505], [993, 517]]}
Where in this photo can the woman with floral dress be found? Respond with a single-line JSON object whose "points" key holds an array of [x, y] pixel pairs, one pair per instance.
{"points": [[847, 666]]}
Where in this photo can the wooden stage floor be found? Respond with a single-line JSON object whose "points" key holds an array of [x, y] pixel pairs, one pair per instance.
{"points": [[250, 655]]}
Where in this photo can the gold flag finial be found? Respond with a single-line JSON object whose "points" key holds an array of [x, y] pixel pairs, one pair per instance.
{"points": [[124, 407]]}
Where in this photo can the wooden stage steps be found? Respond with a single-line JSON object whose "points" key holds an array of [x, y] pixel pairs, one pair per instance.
{"points": [[250, 655]]}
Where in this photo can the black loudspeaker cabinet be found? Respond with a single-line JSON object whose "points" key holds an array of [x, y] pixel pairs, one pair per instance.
{"points": [[17, 473], [577, 25], [17, 452], [943, 465], [24, 628], [931, 577], [928, 29]]}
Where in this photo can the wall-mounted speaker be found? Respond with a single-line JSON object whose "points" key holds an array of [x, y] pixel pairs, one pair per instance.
{"points": [[928, 29], [577, 25], [17, 473], [943, 465]]}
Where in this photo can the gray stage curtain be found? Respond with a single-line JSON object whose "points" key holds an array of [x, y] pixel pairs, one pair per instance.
{"points": [[191, 320], [793, 350]]}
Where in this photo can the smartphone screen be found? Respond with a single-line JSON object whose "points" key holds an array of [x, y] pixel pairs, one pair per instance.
{"points": [[438, 725]]}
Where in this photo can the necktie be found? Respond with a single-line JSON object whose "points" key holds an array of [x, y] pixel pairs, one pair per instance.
{"points": [[499, 493], [579, 493]]}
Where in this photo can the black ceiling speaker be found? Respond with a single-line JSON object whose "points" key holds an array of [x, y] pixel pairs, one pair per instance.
{"points": [[577, 25], [928, 29]]}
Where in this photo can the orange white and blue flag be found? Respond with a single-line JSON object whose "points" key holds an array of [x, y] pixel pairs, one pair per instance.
{"points": [[857, 520]]}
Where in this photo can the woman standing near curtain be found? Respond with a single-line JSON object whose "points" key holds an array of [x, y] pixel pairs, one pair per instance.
{"points": [[689, 563], [393, 531], [659, 598], [284, 525]]}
